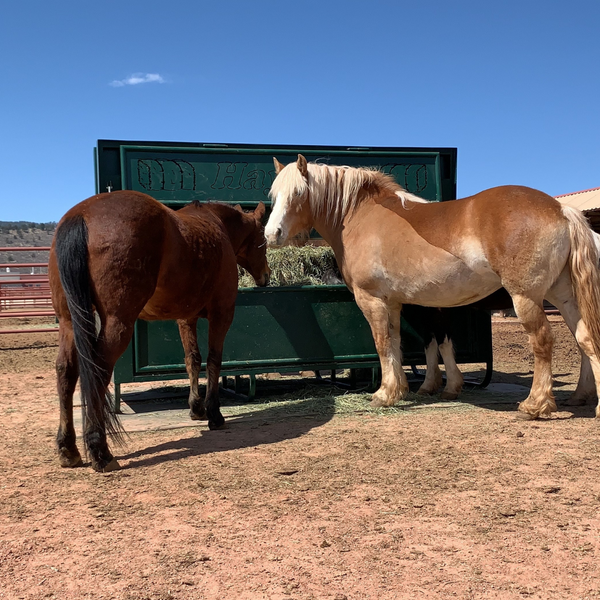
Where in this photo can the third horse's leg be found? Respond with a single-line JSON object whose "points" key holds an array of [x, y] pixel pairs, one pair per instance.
{"points": [[433, 375], [454, 378]]}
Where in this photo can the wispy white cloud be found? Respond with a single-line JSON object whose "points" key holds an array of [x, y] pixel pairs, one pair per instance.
{"points": [[138, 78]]}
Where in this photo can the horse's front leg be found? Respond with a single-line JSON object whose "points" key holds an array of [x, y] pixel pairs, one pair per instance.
{"points": [[218, 325], [66, 375], [193, 364], [384, 320]]}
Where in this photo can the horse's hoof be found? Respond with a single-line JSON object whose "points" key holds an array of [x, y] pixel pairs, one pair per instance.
{"points": [[522, 416], [112, 465], [425, 392], [69, 460], [198, 417], [380, 403], [384, 399], [449, 395], [575, 401], [216, 420]]}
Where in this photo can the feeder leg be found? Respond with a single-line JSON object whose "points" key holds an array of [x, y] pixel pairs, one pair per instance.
{"points": [[252, 391]]}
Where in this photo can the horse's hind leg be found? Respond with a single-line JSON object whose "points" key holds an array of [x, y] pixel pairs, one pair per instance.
{"points": [[193, 365], [67, 373], [112, 342], [561, 296], [585, 392], [385, 327], [584, 339], [533, 318]]}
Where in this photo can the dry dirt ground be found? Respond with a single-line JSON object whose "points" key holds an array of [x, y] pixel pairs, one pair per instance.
{"points": [[430, 500]]}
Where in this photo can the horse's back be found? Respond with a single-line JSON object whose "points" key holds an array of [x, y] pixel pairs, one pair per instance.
{"points": [[198, 268], [146, 259], [476, 244], [501, 221], [127, 235], [122, 222], [496, 214], [125, 232]]}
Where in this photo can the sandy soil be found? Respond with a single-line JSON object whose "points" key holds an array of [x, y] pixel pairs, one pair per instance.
{"points": [[463, 501]]}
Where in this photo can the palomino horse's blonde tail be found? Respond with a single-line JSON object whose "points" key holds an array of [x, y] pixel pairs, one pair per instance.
{"points": [[585, 274]]}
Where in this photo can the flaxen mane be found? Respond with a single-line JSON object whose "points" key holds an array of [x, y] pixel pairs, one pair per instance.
{"points": [[336, 190]]}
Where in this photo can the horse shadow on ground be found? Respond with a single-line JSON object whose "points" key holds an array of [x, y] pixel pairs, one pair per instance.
{"points": [[499, 397], [269, 422], [265, 422]]}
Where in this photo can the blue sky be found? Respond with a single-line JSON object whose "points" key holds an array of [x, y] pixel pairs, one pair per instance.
{"points": [[515, 86]]}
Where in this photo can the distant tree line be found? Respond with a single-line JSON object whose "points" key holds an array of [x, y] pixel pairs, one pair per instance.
{"points": [[6, 226]]}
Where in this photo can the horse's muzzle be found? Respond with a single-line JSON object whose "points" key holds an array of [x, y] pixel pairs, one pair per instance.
{"points": [[264, 280], [275, 238]]}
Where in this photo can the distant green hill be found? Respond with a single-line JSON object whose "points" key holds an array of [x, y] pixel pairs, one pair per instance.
{"points": [[19, 234]]}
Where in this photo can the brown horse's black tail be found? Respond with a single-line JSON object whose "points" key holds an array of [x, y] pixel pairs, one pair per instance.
{"points": [[71, 249]]}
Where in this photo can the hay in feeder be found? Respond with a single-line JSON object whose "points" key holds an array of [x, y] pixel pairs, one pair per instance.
{"points": [[298, 265]]}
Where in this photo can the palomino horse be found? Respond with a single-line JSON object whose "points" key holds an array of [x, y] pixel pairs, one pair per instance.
{"points": [[121, 256], [393, 248]]}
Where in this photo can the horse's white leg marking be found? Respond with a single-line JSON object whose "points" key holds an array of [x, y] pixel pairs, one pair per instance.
{"points": [[533, 318], [385, 326], [561, 295], [454, 378], [433, 375]]}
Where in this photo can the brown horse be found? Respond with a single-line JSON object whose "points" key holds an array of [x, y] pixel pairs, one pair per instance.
{"points": [[394, 248], [121, 256]]}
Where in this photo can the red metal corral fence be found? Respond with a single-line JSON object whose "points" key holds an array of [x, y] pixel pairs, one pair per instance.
{"points": [[25, 290]]}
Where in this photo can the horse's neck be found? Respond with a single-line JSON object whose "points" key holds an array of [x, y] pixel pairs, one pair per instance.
{"points": [[335, 231], [234, 225], [332, 233]]}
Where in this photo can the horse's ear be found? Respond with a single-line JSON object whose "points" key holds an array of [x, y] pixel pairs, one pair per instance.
{"points": [[278, 166], [259, 211], [239, 208], [302, 166]]}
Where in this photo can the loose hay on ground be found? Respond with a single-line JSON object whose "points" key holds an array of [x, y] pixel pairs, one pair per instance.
{"points": [[319, 400]]}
